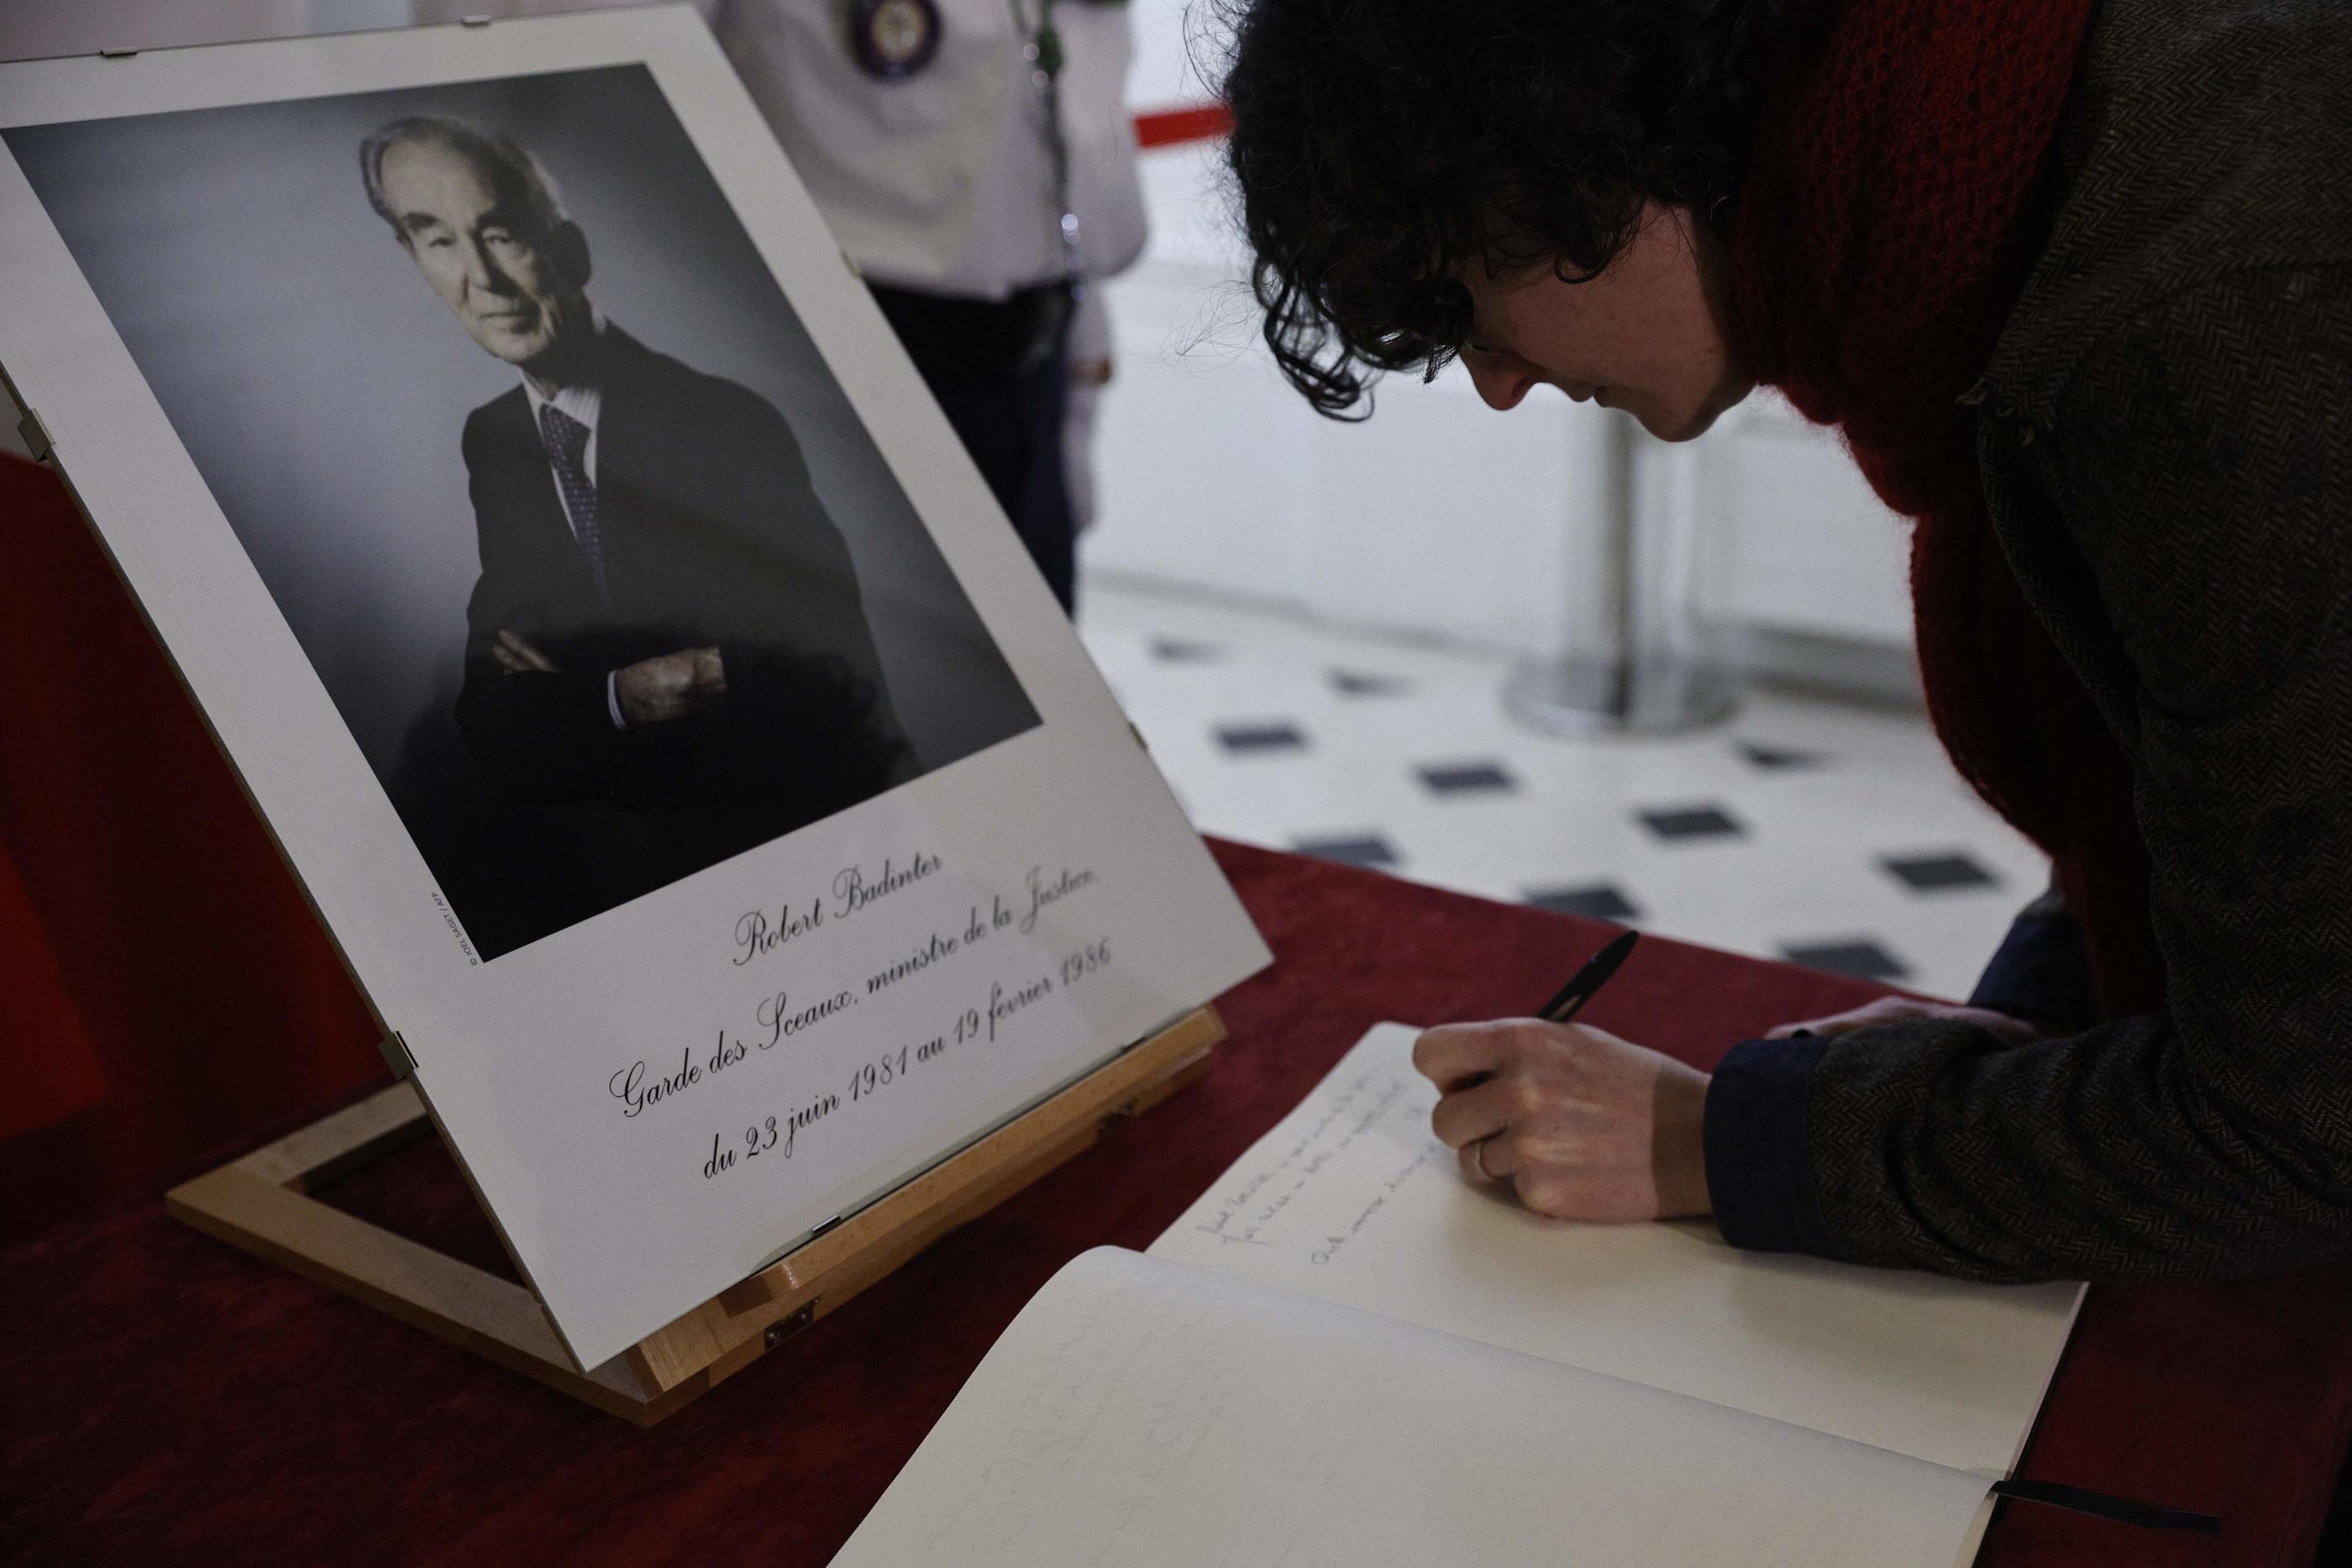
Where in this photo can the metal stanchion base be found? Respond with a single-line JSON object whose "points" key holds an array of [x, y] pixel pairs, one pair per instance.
{"points": [[1588, 695]]}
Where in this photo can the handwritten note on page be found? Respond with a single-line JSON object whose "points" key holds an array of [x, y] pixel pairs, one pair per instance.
{"points": [[1140, 1414], [1351, 1199]]}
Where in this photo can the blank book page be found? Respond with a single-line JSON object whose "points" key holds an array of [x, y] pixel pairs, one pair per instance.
{"points": [[1140, 1413]]}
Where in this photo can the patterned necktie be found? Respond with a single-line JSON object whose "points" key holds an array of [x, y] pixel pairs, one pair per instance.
{"points": [[567, 450]]}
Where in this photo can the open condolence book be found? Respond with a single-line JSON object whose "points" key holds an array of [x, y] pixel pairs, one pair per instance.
{"points": [[1343, 1353]]}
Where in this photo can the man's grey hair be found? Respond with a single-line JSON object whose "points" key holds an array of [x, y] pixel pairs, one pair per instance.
{"points": [[514, 173]]}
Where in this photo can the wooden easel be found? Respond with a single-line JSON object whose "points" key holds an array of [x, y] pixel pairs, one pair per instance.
{"points": [[262, 1203]]}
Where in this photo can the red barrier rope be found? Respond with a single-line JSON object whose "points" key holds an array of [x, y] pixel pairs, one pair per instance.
{"points": [[1168, 127]]}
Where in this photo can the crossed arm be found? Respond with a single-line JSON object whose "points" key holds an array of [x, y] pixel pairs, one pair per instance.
{"points": [[651, 691]]}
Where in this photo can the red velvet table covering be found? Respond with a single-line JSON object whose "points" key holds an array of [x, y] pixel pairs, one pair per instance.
{"points": [[165, 1399]]}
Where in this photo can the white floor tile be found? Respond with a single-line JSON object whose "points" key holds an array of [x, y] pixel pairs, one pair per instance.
{"points": [[1805, 869]]}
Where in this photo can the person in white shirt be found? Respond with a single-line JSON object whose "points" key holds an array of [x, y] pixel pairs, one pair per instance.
{"points": [[976, 159]]}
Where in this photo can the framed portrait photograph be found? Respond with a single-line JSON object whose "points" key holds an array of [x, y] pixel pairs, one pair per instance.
{"points": [[660, 713]]}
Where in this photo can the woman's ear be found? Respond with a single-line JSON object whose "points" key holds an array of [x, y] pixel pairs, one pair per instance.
{"points": [[569, 250]]}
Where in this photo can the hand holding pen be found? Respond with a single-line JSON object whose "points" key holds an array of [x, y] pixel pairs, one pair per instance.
{"points": [[1583, 1125]]}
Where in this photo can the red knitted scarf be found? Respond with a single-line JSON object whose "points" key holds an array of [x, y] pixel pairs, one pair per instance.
{"points": [[1882, 240]]}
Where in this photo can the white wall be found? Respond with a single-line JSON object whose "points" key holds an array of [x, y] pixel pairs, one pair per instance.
{"points": [[1162, 76], [31, 29], [1438, 517], [1812, 550]]}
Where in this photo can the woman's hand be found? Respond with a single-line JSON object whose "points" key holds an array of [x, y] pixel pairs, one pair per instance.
{"points": [[1584, 1125], [1894, 1010]]}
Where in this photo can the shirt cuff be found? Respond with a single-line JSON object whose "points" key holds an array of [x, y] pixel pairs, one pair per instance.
{"points": [[1759, 1176], [2038, 974], [613, 698]]}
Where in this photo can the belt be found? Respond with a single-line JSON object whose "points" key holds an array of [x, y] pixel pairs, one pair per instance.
{"points": [[1015, 335]]}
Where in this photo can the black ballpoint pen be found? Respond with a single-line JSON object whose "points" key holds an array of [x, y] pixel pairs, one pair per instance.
{"points": [[1579, 989], [1587, 980]]}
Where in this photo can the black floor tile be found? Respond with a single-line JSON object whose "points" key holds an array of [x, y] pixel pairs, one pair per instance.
{"points": [[1863, 959], [1938, 873], [1601, 901], [1355, 684], [1691, 822], [1366, 849], [1467, 778], [1778, 756], [1252, 739]]}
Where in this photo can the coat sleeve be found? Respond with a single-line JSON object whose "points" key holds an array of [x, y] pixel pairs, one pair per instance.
{"points": [[820, 674], [2201, 464]]}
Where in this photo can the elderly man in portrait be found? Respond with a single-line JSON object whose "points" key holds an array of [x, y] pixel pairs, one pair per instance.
{"points": [[666, 619]]}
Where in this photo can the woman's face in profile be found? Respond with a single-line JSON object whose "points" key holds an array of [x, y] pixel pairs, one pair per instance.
{"points": [[1648, 335]]}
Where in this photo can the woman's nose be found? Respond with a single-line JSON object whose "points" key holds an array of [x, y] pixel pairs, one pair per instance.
{"points": [[1503, 379]]}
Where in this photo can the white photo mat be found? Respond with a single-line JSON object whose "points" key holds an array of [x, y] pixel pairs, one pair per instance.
{"points": [[613, 1217]]}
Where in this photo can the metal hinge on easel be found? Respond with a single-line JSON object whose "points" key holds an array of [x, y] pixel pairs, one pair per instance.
{"points": [[38, 445], [396, 1057]]}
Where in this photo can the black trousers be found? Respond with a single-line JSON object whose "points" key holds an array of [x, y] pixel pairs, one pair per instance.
{"points": [[1001, 374]]}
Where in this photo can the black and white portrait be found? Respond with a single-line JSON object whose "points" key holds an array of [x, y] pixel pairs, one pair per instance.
{"points": [[599, 565]]}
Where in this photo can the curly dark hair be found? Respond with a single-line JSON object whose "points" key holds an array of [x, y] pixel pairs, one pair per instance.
{"points": [[1379, 147]]}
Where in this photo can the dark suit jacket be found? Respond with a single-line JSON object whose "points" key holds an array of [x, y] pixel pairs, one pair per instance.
{"points": [[711, 535]]}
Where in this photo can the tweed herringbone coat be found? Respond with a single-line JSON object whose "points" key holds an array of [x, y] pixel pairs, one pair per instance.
{"points": [[2165, 434]]}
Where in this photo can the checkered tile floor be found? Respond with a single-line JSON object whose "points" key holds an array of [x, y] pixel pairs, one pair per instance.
{"points": [[1828, 835]]}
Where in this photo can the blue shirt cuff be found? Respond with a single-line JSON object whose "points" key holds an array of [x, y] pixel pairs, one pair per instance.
{"points": [[1757, 1175], [2039, 975]]}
